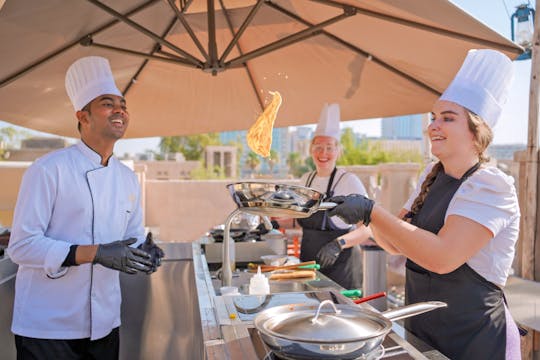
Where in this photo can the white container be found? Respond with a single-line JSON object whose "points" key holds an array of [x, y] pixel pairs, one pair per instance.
{"points": [[258, 284], [229, 291]]}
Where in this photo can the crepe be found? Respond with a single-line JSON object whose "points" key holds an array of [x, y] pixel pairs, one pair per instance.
{"points": [[259, 136]]}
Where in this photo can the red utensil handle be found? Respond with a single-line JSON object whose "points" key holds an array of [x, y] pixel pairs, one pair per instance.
{"points": [[370, 297]]}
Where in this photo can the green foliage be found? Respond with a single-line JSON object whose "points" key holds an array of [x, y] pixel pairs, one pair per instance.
{"points": [[11, 137], [272, 160], [371, 152], [191, 146], [202, 173], [297, 166], [253, 160]]}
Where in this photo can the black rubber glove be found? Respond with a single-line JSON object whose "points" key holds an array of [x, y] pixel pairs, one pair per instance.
{"points": [[156, 253], [352, 208], [328, 254], [118, 255]]}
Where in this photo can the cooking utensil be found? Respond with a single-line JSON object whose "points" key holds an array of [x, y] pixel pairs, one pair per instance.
{"points": [[293, 274], [279, 200], [343, 332], [370, 297], [274, 260], [267, 268]]}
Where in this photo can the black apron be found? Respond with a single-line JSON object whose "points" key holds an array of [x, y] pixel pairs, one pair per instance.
{"points": [[474, 325], [317, 231]]}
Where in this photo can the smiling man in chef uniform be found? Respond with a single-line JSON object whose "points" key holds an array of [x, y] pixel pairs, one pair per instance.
{"points": [[77, 223]]}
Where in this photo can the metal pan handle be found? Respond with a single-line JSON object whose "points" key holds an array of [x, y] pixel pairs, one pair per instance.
{"points": [[326, 206], [413, 309]]}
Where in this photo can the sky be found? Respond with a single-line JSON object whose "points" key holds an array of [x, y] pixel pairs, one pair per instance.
{"points": [[512, 127]]}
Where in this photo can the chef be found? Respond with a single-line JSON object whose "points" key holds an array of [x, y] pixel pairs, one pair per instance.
{"points": [[322, 240], [77, 223], [459, 228]]}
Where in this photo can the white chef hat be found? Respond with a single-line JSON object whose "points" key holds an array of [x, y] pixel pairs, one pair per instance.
{"points": [[88, 78], [482, 84], [328, 124]]}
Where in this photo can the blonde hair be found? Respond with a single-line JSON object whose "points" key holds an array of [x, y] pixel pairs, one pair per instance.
{"points": [[483, 135]]}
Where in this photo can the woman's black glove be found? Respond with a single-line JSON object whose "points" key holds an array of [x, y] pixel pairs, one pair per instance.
{"points": [[118, 255], [352, 208], [328, 254], [156, 253]]}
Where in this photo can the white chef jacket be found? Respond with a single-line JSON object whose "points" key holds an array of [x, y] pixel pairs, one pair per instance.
{"points": [[489, 198], [67, 197]]}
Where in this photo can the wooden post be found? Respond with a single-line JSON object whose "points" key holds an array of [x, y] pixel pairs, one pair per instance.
{"points": [[529, 208]]}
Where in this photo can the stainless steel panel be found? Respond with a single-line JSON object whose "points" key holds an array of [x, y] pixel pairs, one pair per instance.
{"points": [[246, 251], [160, 314], [8, 271]]}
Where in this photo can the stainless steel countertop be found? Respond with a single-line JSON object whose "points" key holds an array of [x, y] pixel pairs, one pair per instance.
{"points": [[226, 336]]}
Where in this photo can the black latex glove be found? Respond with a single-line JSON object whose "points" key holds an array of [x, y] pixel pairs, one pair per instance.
{"points": [[156, 253], [328, 254], [352, 208], [118, 255]]}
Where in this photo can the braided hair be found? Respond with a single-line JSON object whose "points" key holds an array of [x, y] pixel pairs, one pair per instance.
{"points": [[483, 135]]}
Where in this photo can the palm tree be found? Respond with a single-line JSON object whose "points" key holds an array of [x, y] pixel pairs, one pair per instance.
{"points": [[253, 161], [272, 160]]}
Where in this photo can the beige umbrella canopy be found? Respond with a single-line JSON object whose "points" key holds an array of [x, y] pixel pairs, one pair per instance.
{"points": [[186, 70]]}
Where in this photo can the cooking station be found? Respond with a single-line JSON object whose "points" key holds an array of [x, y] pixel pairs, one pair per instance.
{"points": [[227, 321]]}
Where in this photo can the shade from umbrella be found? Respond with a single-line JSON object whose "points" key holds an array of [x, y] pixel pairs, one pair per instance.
{"points": [[186, 70]]}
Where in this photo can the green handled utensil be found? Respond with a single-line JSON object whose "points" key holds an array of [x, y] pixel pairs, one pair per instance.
{"points": [[310, 266], [352, 293]]}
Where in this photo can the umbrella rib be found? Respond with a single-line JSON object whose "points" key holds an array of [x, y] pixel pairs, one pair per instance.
{"points": [[433, 29], [246, 67], [50, 56], [172, 59], [157, 48], [291, 39], [184, 22], [146, 32], [212, 46], [241, 30], [360, 51]]}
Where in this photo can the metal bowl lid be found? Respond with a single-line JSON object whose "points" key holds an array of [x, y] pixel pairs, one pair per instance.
{"points": [[349, 325]]}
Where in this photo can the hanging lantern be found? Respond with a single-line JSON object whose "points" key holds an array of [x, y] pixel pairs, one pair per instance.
{"points": [[523, 29]]}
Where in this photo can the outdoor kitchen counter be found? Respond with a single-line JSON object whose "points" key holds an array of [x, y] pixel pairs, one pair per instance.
{"points": [[227, 336]]}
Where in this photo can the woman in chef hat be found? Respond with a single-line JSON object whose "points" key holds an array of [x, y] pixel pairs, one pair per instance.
{"points": [[322, 239], [459, 228]]}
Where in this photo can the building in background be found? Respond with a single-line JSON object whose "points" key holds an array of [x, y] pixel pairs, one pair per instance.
{"points": [[300, 139], [34, 147], [280, 144], [407, 127]]}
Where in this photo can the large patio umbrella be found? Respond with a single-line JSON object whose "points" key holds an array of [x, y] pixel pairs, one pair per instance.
{"points": [[198, 66]]}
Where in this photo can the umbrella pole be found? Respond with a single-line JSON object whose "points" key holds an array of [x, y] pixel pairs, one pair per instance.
{"points": [[530, 195]]}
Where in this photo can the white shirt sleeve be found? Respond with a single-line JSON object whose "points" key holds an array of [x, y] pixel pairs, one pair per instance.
{"points": [[487, 197], [28, 245]]}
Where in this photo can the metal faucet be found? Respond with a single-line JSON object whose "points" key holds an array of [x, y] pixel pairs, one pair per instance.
{"points": [[228, 259]]}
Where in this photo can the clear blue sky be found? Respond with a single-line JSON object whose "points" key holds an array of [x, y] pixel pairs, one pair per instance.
{"points": [[511, 129]]}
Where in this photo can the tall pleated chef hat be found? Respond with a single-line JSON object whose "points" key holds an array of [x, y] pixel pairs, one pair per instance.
{"points": [[328, 124], [482, 84], [88, 78]]}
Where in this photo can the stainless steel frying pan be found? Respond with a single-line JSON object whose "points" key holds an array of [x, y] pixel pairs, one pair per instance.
{"points": [[278, 200]]}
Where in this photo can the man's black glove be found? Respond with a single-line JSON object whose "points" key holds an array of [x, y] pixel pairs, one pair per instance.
{"points": [[328, 254], [118, 255], [156, 253], [352, 208]]}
